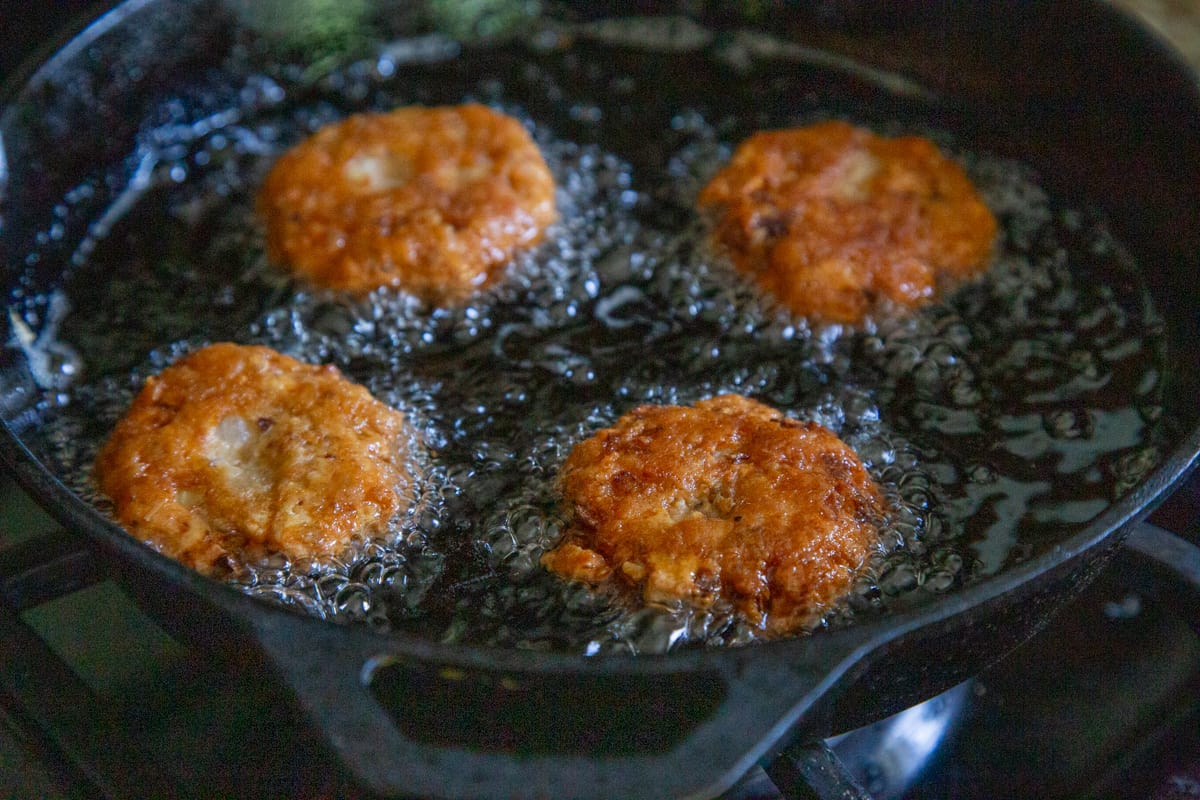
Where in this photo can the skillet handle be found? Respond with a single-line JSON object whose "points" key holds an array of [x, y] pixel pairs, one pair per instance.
{"points": [[488, 726]]}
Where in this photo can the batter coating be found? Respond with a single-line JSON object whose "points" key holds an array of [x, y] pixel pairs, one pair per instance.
{"points": [[832, 219], [727, 499], [237, 452], [430, 200]]}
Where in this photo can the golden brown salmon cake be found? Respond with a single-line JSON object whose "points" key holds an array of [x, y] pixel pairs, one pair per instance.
{"points": [[728, 500], [430, 200], [237, 452], [832, 219]]}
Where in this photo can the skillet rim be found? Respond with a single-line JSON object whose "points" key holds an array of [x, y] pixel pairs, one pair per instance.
{"points": [[76, 515]]}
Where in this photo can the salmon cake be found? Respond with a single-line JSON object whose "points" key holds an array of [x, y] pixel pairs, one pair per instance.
{"points": [[235, 453], [727, 500], [837, 223], [433, 201]]}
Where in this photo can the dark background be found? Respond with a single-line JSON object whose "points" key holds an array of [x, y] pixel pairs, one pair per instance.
{"points": [[27, 26]]}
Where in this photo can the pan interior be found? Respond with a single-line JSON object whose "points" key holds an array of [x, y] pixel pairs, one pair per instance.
{"points": [[998, 421]]}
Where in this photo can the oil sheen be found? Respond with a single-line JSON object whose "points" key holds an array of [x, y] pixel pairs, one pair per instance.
{"points": [[996, 421]]}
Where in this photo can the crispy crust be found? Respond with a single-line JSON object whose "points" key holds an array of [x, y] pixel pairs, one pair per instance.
{"points": [[430, 200], [727, 499], [832, 219], [237, 452]]}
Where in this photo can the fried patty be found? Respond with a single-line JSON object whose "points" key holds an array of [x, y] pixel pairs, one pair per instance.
{"points": [[235, 453], [433, 201], [837, 222], [727, 500]]}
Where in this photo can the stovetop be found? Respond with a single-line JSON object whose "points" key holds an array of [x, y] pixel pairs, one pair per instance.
{"points": [[1105, 702]]}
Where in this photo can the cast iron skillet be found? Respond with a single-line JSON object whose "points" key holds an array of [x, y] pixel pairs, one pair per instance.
{"points": [[1074, 88]]}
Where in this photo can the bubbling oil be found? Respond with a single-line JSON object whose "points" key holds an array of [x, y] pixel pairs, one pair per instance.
{"points": [[996, 420]]}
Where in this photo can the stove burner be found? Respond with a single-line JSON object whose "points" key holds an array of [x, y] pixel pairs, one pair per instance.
{"points": [[888, 757]]}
